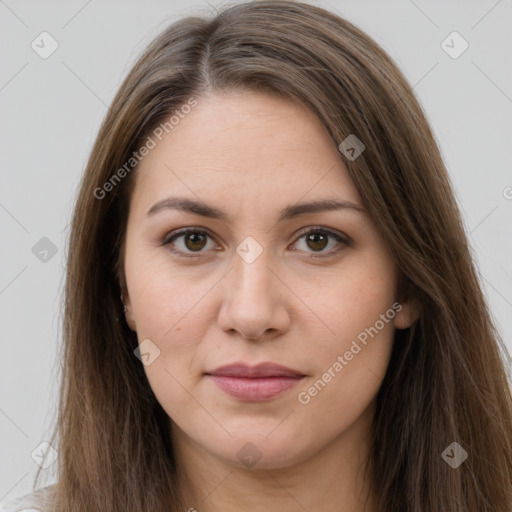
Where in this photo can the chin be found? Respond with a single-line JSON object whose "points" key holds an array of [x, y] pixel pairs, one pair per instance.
{"points": [[254, 452]]}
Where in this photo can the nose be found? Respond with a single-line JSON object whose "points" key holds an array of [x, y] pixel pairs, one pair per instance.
{"points": [[254, 300]]}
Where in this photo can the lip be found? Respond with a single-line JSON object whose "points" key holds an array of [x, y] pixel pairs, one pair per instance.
{"points": [[254, 383]]}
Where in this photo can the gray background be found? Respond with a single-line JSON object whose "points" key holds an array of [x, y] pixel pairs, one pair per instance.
{"points": [[52, 108]]}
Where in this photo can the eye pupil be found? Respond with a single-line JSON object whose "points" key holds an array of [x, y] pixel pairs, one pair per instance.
{"points": [[194, 237], [314, 237]]}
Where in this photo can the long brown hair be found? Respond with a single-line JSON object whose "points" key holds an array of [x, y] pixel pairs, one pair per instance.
{"points": [[446, 381]]}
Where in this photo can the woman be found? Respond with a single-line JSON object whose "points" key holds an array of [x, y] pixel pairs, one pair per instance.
{"points": [[270, 299]]}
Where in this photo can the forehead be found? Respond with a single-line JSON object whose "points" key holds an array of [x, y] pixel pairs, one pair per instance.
{"points": [[245, 147]]}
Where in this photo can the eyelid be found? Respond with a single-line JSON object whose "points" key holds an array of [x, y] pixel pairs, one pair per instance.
{"points": [[185, 231], [341, 237], [335, 233], [169, 237]]}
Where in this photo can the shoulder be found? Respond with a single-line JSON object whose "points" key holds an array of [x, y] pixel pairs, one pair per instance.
{"points": [[36, 501]]}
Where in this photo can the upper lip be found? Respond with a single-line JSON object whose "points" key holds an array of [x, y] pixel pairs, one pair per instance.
{"points": [[243, 370]]}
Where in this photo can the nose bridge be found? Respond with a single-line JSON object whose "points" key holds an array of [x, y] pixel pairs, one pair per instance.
{"points": [[251, 274], [250, 304]]}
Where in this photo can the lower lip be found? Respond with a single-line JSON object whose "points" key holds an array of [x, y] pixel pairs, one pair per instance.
{"points": [[254, 389]]}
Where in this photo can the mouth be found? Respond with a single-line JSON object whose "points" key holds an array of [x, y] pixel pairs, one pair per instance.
{"points": [[254, 383]]}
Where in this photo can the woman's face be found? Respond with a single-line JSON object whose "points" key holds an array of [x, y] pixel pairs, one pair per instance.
{"points": [[262, 279]]}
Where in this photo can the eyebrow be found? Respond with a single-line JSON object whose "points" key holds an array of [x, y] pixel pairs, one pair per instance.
{"points": [[205, 210]]}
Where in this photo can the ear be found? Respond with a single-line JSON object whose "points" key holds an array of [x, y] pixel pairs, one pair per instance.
{"points": [[128, 312], [407, 313]]}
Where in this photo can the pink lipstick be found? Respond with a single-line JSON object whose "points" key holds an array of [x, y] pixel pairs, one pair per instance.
{"points": [[254, 383]]}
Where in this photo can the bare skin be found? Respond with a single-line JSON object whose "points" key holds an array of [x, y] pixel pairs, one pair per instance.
{"points": [[252, 155]]}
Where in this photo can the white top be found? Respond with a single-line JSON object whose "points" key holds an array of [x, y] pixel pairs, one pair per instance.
{"points": [[32, 502]]}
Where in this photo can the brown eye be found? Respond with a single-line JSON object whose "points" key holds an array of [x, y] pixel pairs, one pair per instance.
{"points": [[190, 241], [317, 241], [195, 241]]}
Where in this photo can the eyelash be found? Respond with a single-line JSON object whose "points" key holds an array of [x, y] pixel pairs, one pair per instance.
{"points": [[345, 241]]}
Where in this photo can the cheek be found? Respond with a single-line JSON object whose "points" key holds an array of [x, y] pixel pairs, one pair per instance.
{"points": [[168, 310], [360, 347], [353, 301], [351, 361], [165, 299]]}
